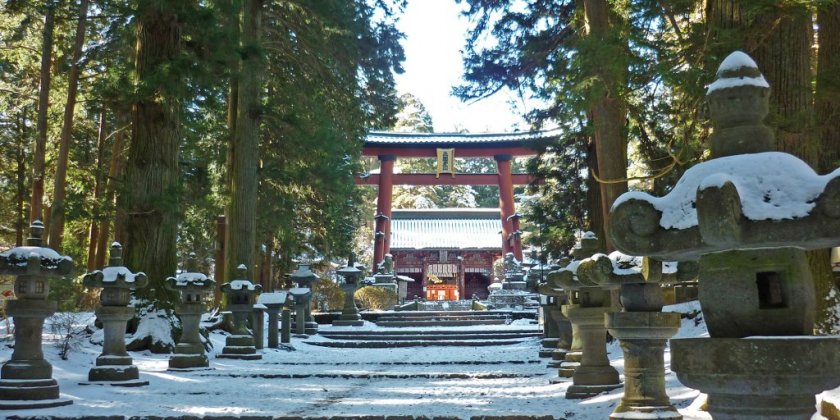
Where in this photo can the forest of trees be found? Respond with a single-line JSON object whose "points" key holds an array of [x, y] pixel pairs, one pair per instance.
{"points": [[144, 121], [619, 73]]}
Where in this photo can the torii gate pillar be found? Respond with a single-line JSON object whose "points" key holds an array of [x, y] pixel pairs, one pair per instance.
{"points": [[382, 229], [511, 241]]}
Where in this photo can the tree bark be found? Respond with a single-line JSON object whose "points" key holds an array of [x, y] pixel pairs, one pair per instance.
{"points": [[114, 170], [827, 98], [241, 246], [20, 181], [60, 183], [779, 39], [606, 57], [93, 234], [152, 174], [37, 200]]}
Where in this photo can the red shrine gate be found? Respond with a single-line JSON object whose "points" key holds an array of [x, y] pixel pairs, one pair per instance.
{"points": [[390, 146]]}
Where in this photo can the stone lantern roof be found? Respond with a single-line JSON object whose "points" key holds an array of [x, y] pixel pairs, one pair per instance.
{"points": [[33, 259], [115, 274], [746, 197]]}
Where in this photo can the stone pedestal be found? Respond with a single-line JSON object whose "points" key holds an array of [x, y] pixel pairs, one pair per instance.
{"points": [[189, 352], [258, 326], [594, 375], [239, 345], [549, 341], [566, 360], [114, 366], [760, 377], [273, 326], [286, 326], [566, 334], [27, 378], [643, 336], [350, 314]]}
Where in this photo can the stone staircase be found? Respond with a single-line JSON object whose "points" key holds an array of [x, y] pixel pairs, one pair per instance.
{"points": [[471, 337], [443, 318], [430, 328]]}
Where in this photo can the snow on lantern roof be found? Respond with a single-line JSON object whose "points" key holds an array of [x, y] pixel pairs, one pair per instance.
{"points": [[737, 69], [446, 229], [767, 193], [402, 138]]}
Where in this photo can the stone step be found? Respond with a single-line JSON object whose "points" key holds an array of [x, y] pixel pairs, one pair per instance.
{"points": [[428, 336], [533, 331], [453, 317], [410, 313], [413, 343], [433, 323]]}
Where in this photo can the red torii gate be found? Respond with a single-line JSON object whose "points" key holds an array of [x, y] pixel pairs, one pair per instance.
{"points": [[389, 146]]}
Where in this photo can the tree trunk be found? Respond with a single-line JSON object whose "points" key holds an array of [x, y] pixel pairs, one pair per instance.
{"points": [[827, 108], [827, 98], [37, 200], [242, 222], [60, 183], [606, 55], [111, 182], [20, 181], [93, 234], [779, 39], [152, 175]]}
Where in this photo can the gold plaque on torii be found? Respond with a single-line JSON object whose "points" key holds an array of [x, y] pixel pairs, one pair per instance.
{"points": [[445, 162]]}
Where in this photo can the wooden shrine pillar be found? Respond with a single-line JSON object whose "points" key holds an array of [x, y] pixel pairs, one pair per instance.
{"points": [[510, 223], [382, 229]]}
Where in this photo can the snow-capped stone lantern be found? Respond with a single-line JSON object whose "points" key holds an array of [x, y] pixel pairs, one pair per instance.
{"points": [[193, 288], [240, 294], [641, 328], [26, 379], [747, 215], [303, 277], [114, 366], [558, 329], [350, 313], [588, 303]]}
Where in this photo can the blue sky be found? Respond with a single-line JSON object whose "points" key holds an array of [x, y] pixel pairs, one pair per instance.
{"points": [[435, 34]]}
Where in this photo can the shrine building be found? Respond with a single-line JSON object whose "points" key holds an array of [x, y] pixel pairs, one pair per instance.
{"points": [[446, 147], [448, 252]]}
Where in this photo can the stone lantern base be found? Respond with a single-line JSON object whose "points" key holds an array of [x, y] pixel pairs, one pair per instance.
{"points": [[27, 378], [594, 375], [348, 323], [643, 336], [239, 347], [548, 346], [114, 366], [774, 377]]}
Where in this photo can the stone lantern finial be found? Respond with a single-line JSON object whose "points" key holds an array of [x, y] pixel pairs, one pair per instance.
{"points": [[115, 258], [36, 232], [738, 102]]}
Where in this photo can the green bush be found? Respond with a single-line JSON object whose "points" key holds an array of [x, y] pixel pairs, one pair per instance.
{"points": [[327, 296], [376, 298]]}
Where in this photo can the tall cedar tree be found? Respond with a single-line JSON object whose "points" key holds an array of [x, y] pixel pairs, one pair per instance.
{"points": [[152, 172], [242, 222], [38, 167]]}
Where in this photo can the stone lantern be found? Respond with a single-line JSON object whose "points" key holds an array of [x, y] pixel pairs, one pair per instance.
{"points": [[26, 379], [588, 303], [240, 294], [350, 314], [514, 274], [274, 302], [304, 277], [558, 329], [747, 215], [114, 366], [193, 287], [641, 328]]}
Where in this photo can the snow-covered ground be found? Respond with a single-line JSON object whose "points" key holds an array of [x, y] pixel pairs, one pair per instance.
{"points": [[315, 381]]}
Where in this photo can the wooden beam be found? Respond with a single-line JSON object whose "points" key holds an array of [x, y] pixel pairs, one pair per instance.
{"points": [[477, 150], [430, 179]]}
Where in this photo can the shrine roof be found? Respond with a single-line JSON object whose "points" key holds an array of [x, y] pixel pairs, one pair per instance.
{"points": [[456, 228], [392, 138]]}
